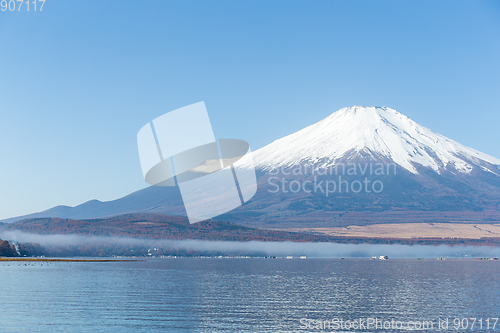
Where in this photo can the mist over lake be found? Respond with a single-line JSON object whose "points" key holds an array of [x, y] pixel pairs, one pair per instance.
{"points": [[257, 248]]}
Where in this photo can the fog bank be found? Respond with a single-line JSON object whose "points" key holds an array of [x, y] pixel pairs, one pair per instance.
{"points": [[259, 248]]}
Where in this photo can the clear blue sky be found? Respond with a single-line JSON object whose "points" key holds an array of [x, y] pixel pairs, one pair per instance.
{"points": [[79, 79]]}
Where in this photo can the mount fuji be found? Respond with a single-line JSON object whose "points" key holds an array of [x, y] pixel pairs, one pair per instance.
{"points": [[378, 132], [385, 167]]}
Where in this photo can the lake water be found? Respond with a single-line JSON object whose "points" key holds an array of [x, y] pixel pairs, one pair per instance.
{"points": [[248, 295]]}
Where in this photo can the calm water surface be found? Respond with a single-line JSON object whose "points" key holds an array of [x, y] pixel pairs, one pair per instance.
{"points": [[244, 295]]}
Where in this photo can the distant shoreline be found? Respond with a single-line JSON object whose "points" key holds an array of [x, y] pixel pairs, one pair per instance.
{"points": [[64, 260]]}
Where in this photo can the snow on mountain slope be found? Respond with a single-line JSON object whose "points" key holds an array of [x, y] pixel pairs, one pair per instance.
{"points": [[377, 131]]}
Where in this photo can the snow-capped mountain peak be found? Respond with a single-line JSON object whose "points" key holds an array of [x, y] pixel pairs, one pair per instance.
{"points": [[379, 131]]}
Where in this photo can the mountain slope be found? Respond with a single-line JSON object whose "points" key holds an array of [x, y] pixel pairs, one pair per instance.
{"points": [[424, 177]]}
